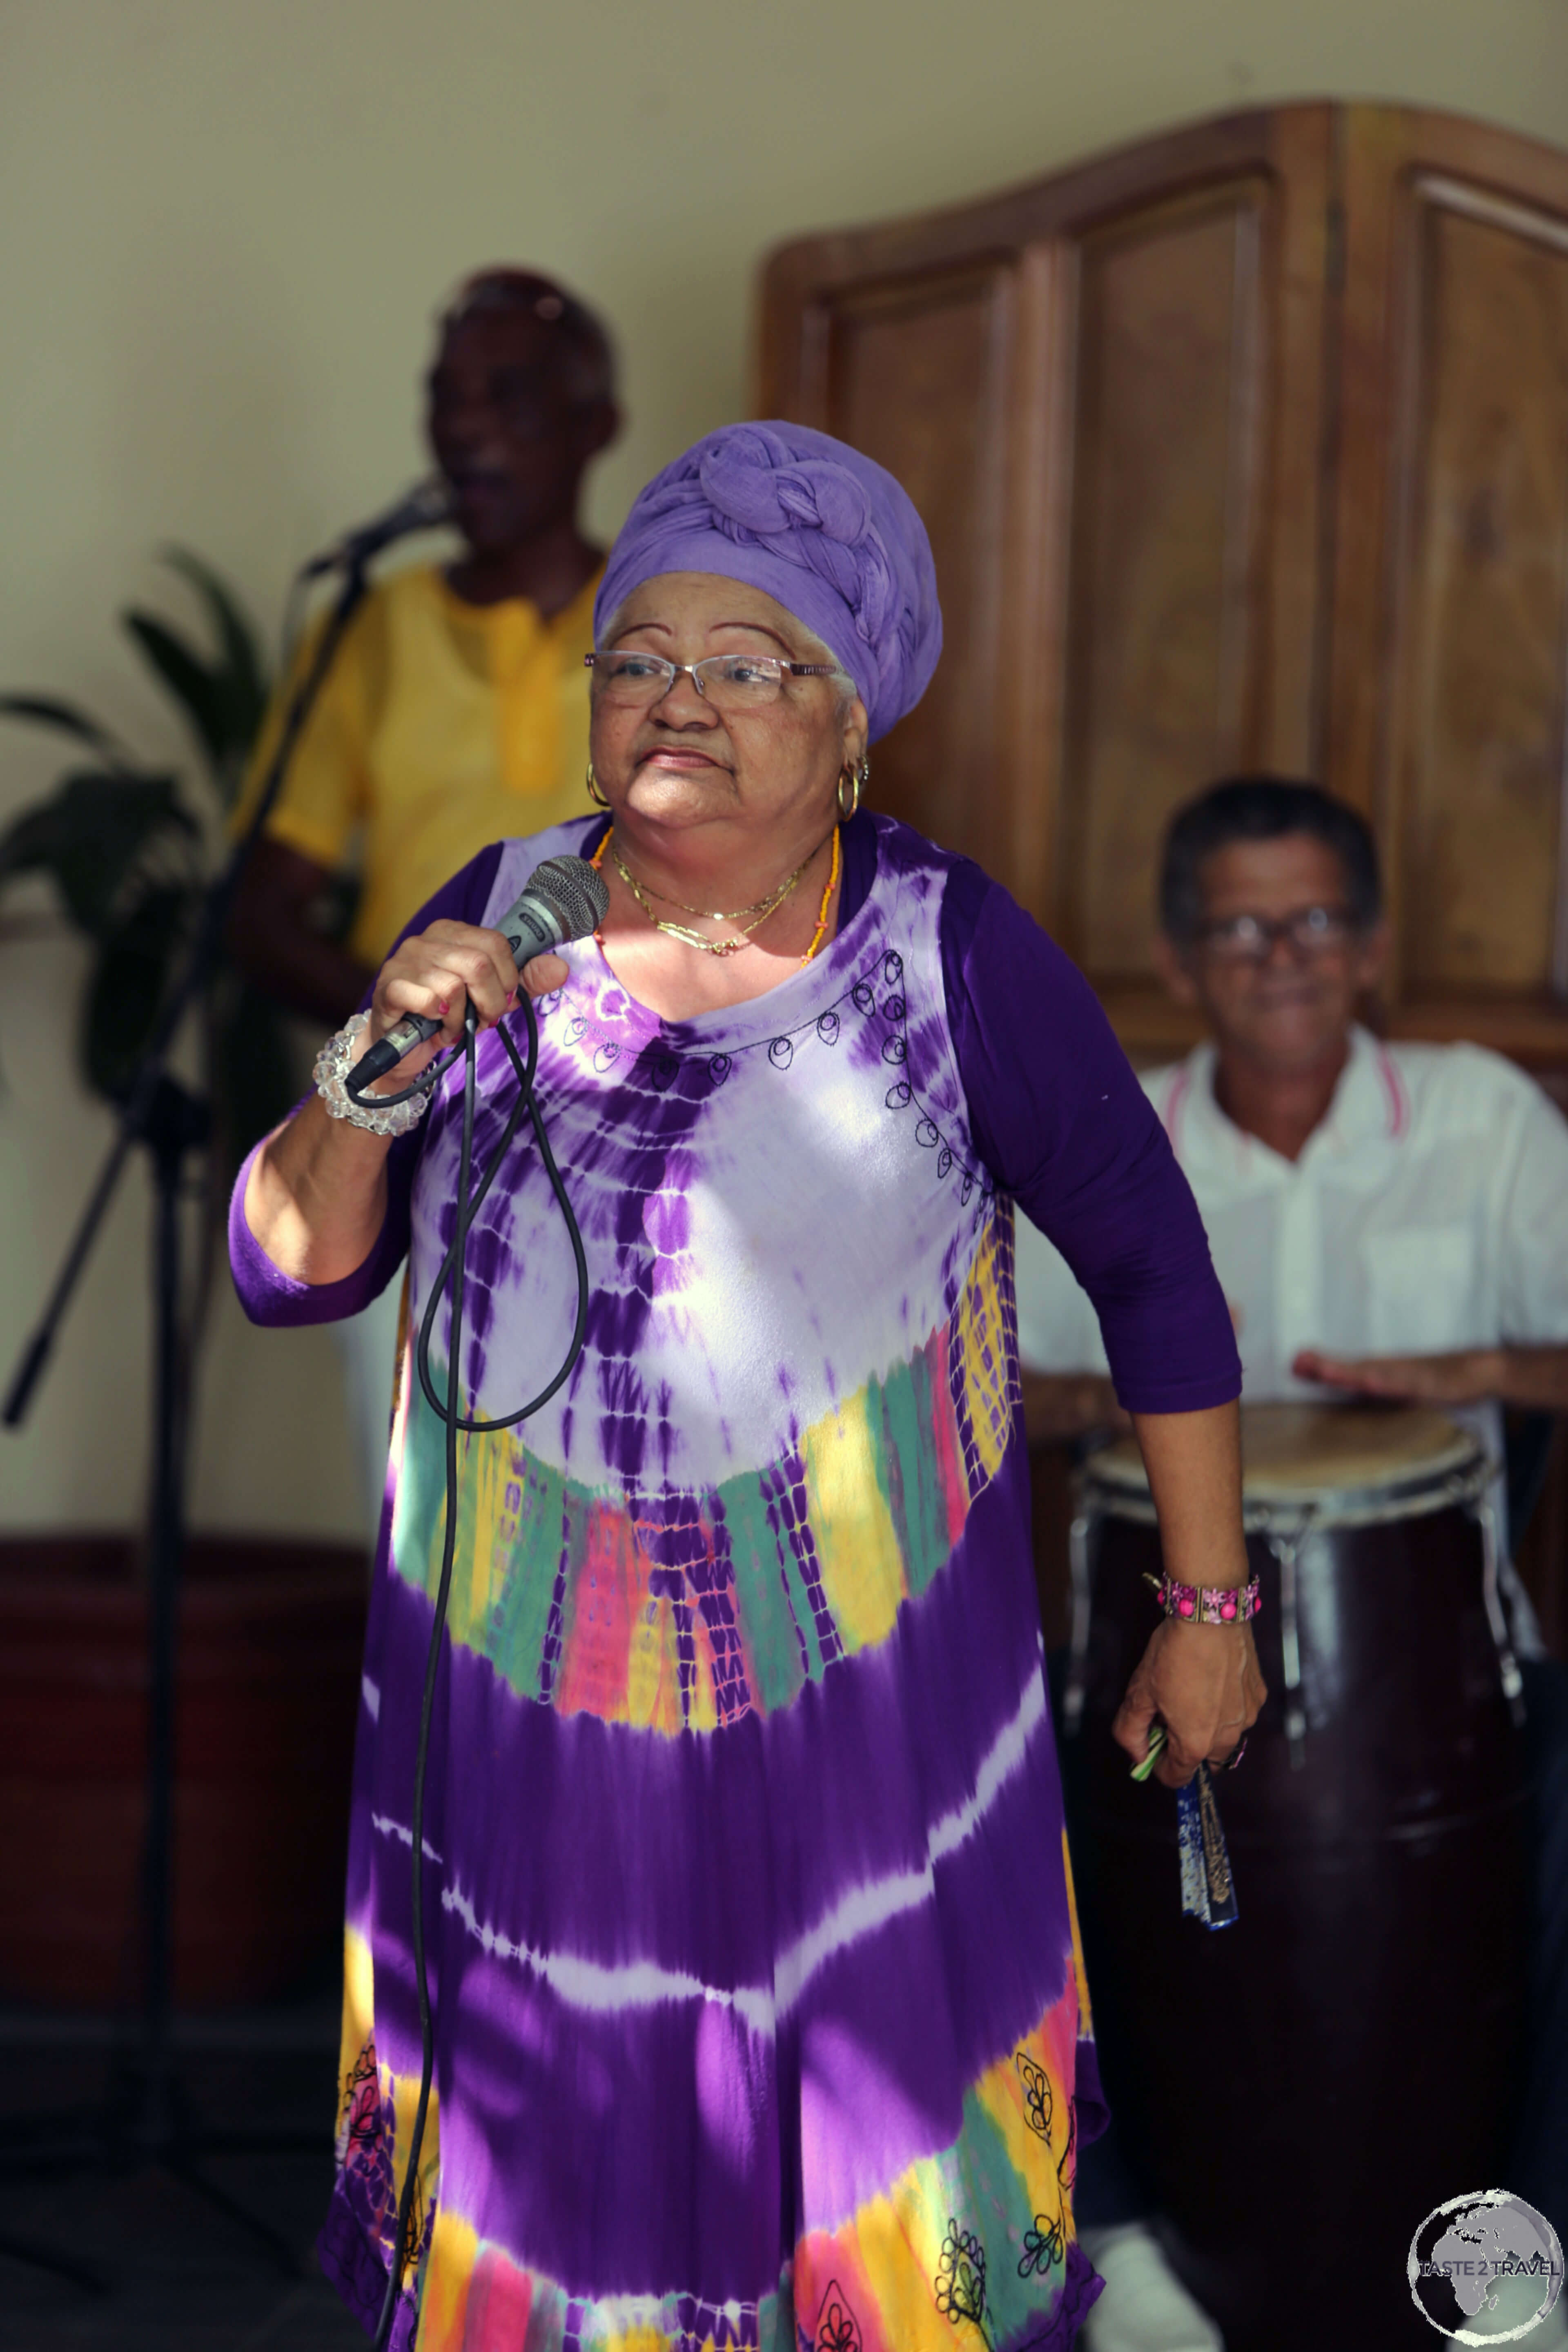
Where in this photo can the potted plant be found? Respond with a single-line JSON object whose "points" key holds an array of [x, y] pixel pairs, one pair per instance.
{"points": [[130, 857], [270, 1632]]}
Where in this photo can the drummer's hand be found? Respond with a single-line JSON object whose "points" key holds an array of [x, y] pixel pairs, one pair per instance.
{"points": [[1204, 1683], [437, 972], [1464, 1376]]}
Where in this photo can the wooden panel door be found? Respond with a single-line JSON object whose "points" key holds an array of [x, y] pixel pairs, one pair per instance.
{"points": [[1105, 392], [1450, 634]]}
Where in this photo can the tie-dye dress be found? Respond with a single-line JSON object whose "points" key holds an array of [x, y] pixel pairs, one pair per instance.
{"points": [[760, 2019]]}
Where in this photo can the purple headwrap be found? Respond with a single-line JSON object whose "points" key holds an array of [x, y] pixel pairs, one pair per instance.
{"points": [[826, 531]]}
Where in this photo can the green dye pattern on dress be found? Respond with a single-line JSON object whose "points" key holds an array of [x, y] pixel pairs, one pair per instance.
{"points": [[773, 1622], [524, 1534], [549, 1545], [907, 1467], [982, 2191], [418, 1518], [525, 1517]]}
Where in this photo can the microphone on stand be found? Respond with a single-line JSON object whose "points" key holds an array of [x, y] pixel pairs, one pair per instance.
{"points": [[563, 898], [427, 504]]}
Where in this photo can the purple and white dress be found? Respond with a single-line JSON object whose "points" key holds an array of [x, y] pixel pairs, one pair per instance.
{"points": [[761, 2017]]}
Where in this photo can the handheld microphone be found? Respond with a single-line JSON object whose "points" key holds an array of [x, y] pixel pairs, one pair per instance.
{"points": [[563, 898], [420, 509]]}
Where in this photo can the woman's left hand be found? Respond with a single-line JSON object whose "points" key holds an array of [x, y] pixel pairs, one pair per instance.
{"points": [[1201, 1680], [1204, 1684]]}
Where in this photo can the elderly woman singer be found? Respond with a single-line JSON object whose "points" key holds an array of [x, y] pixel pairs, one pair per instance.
{"points": [[760, 2014]]}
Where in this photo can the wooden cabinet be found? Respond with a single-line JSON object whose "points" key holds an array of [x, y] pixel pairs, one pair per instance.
{"points": [[1450, 594], [1244, 447]]}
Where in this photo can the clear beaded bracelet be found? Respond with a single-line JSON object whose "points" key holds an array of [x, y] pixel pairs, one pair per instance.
{"points": [[332, 1064], [1207, 1604]]}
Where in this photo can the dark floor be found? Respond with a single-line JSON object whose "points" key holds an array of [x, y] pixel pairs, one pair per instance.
{"points": [[178, 2276]]}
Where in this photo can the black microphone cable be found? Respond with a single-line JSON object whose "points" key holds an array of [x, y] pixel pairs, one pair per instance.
{"points": [[452, 1273]]}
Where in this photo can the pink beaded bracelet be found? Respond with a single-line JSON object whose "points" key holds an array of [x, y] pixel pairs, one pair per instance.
{"points": [[1207, 1604]]}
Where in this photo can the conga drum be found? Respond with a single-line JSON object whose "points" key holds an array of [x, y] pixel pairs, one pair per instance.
{"points": [[1304, 2086]]}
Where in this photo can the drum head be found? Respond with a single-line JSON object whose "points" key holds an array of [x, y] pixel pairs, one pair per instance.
{"points": [[1300, 1454]]}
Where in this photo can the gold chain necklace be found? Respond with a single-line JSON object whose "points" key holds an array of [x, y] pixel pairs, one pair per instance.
{"points": [[760, 912], [763, 909], [760, 907]]}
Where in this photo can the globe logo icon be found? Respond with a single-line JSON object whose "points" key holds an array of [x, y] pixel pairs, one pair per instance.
{"points": [[1488, 2258]]}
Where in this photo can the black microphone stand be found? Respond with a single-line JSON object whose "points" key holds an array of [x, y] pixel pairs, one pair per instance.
{"points": [[146, 2120]]}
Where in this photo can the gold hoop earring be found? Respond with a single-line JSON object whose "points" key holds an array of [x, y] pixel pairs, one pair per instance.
{"points": [[595, 790], [857, 779]]}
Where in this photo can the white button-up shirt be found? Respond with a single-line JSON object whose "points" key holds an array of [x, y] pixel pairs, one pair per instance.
{"points": [[1429, 1211]]}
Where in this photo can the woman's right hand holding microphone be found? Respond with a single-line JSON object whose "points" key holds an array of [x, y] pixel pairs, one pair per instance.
{"points": [[436, 973]]}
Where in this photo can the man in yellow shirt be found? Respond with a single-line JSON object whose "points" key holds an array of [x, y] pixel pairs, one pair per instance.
{"points": [[456, 711]]}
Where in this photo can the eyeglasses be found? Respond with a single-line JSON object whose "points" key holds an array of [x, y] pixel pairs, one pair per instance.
{"points": [[1250, 938], [729, 681]]}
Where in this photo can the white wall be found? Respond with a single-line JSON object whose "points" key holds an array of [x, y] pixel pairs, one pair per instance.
{"points": [[226, 224]]}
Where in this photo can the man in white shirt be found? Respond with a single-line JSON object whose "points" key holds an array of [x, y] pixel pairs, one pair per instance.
{"points": [[1386, 1220]]}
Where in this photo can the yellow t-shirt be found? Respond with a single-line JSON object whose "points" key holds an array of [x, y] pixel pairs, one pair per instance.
{"points": [[442, 726]]}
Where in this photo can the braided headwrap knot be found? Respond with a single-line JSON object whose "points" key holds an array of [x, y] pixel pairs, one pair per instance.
{"points": [[826, 531]]}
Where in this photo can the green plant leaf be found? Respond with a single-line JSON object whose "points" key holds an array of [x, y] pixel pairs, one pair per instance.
{"points": [[243, 661], [93, 834], [220, 710], [197, 687], [30, 845], [48, 711], [126, 855], [222, 699], [127, 984]]}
